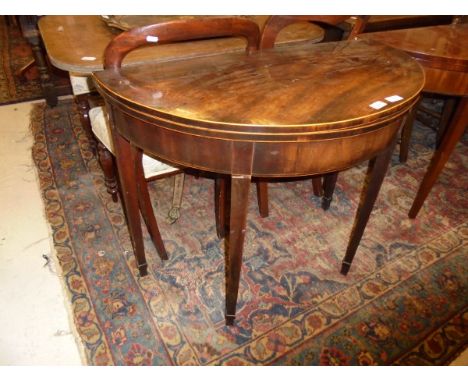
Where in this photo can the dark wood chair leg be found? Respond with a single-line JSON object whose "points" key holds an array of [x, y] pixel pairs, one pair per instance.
{"points": [[31, 34], [317, 185], [220, 206], [329, 183], [451, 138], [106, 160], [125, 158], [82, 102], [240, 186], [146, 208], [262, 198], [375, 174]]}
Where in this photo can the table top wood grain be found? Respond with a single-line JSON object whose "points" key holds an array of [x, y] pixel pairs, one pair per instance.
{"points": [[77, 43], [302, 86], [442, 46]]}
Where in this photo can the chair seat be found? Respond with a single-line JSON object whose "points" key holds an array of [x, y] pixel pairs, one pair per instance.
{"points": [[81, 84], [152, 167]]}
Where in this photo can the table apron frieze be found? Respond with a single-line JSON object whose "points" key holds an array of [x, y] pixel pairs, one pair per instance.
{"points": [[257, 158]]}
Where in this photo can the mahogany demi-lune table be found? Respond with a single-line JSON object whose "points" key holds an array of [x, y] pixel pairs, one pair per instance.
{"points": [[295, 110], [443, 53]]}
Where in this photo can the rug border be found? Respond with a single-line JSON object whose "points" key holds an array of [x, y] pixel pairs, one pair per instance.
{"points": [[36, 114], [36, 126]]}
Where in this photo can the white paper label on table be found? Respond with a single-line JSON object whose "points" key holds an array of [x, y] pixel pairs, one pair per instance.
{"points": [[377, 105], [152, 38], [394, 98]]}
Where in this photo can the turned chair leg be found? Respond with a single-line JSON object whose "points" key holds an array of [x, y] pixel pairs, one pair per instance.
{"points": [[30, 32], [82, 102], [106, 160]]}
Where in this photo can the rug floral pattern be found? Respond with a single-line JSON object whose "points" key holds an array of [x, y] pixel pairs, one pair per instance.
{"points": [[404, 301]]}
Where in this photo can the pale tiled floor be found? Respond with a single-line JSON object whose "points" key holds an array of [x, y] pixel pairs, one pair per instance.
{"points": [[34, 321]]}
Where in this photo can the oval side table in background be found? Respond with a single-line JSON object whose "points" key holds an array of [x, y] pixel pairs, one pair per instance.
{"points": [[443, 53]]}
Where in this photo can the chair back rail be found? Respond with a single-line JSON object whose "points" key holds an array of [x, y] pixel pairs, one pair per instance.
{"points": [[179, 31]]}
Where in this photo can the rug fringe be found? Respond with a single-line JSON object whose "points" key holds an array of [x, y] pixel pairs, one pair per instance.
{"points": [[37, 114]]}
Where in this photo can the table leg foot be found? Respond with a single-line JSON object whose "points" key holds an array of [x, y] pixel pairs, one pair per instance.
{"points": [[230, 320], [143, 270], [345, 268], [329, 183], [326, 203]]}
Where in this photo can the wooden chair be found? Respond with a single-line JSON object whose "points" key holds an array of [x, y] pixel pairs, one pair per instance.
{"points": [[270, 32], [162, 33], [152, 168]]}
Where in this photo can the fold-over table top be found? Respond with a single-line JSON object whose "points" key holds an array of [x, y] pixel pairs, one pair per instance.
{"points": [[302, 86]]}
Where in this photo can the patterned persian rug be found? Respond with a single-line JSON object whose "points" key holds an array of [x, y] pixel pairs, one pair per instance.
{"points": [[15, 53], [404, 301]]}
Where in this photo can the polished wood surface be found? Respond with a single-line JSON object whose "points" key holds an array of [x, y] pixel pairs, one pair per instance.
{"points": [[272, 29], [392, 22], [276, 24], [77, 43], [438, 46], [294, 110], [221, 92], [179, 31], [443, 53], [440, 49]]}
